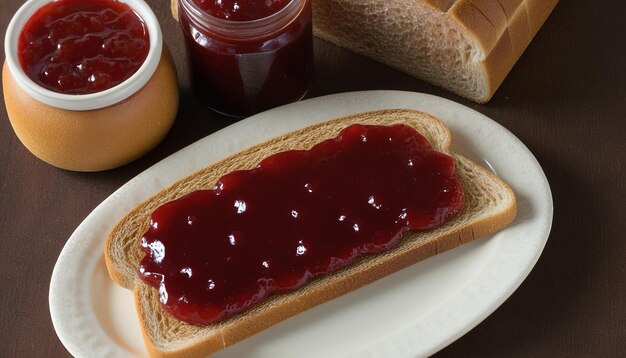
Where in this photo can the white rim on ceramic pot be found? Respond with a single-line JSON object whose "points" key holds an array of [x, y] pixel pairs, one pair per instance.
{"points": [[86, 101]]}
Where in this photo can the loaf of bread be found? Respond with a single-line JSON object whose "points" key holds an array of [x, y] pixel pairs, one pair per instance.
{"points": [[489, 206], [465, 46]]}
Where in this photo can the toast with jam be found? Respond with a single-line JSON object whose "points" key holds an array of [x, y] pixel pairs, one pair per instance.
{"points": [[484, 206]]}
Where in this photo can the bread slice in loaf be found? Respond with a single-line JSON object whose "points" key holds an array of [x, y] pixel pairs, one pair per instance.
{"points": [[465, 46], [490, 206]]}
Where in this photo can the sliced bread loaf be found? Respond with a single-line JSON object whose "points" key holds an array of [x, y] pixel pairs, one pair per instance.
{"points": [[465, 46]]}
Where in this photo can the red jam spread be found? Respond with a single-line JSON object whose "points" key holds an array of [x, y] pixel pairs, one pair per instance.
{"points": [[239, 68], [81, 47], [241, 10], [297, 215]]}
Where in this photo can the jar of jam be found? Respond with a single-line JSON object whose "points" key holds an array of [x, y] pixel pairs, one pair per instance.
{"points": [[88, 85], [247, 56]]}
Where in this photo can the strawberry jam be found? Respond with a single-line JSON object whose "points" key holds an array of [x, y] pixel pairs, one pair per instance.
{"points": [[241, 10], [299, 214], [81, 47]]}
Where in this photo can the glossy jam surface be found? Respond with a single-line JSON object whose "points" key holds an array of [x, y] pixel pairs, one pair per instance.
{"points": [[297, 215], [81, 47], [243, 75], [241, 10]]}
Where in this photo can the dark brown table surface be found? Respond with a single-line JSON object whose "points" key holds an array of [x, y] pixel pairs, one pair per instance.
{"points": [[565, 99]]}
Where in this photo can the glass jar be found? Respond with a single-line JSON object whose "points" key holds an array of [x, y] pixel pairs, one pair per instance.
{"points": [[240, 68]]}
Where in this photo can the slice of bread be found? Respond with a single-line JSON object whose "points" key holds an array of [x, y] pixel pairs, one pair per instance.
{"points": [[490, 206], [465, 46]]}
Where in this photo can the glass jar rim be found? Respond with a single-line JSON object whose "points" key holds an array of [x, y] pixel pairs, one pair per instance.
{"points": [[246, 29], [91, 101]]}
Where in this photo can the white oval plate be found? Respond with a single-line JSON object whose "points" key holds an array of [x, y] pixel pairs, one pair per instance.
{"points": [[414, 312]]}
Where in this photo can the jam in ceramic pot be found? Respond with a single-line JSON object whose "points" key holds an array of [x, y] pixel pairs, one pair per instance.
{"points": [[82, 47], [248, 56], [299, 214]]}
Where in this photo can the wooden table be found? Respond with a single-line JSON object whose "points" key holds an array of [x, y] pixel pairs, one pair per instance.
{"points": [[565, 99]]}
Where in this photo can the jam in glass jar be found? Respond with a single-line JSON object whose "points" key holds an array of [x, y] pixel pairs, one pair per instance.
{"points": [[248, 56]]}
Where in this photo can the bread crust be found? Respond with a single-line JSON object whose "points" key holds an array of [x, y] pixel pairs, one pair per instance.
{"points": [[174, 9], [441, 5], [477, 23], [509, 6], [490, 206]]}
